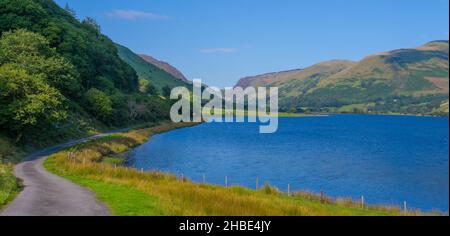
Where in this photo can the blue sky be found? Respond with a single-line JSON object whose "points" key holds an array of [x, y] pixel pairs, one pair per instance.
{"points": [[221, 41]]}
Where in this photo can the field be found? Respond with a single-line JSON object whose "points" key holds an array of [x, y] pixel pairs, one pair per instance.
{"points": [[131, 192]]}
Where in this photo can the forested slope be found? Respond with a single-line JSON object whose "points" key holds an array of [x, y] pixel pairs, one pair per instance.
{"points": [[60, 77]]}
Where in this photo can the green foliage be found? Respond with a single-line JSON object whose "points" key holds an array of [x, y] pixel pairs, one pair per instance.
{"points": [[9, 153], [99, 104], [30, 73], [27, 101], [143, 84], [60, 77], [32, 53], [15, 14], [9, 185], [148, 88], [92, 25], [70, 10], [94, 55], [166, 91]]}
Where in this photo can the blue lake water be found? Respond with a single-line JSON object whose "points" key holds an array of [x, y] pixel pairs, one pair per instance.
{"points": [[387, 159]]}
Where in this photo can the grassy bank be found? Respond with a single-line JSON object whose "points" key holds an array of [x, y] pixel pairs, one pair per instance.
{"points": [[132, 192], [9, 185]]}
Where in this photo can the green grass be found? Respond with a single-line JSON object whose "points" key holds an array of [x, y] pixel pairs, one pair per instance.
{"points": [[9, 185], [126, 200], [122, 200], [355, 108], [130, 192]]}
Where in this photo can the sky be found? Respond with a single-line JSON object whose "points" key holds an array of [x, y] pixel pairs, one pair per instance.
{"points": [[221, 41]]}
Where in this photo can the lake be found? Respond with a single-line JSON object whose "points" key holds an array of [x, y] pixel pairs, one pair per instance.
{"points": [[387, 159]]}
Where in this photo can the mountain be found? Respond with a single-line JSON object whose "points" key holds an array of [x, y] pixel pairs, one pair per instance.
{"points": [[165, 67], [294, 83], [157, 76], [406, 81]]}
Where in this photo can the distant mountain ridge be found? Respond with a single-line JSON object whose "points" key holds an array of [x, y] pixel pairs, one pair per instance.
{"points": [[405, 81], [248, 81], [165, 66], [148, 71]]}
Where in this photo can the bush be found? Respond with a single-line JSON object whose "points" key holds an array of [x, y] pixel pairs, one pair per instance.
{"points": [[99, 104]]}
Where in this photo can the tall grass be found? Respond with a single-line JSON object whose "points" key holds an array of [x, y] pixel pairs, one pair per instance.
{"points": [[9, 185], [132, 192]]}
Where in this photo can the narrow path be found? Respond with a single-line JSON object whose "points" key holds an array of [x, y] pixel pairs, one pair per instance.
{"points": [[46, 194]]}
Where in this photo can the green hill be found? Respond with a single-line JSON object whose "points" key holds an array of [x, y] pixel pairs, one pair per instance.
{"points": [[406, 81], [147, 71], [60, 78]]}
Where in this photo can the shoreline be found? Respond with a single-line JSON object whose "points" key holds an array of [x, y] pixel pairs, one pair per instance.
{"points": [[302, 191], [96, 171]]}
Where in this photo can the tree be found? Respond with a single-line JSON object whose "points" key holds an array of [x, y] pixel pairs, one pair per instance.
{"points": [[70, 10], [92, 53], [151, 90], [99, 104], [27, 101], [33, 80], [32, 52], [89, 21], [166, 91]]}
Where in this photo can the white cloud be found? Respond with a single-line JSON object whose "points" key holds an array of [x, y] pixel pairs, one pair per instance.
{"points": [[134, 15], [218, 50]]}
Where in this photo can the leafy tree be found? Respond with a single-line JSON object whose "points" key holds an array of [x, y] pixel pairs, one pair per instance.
{"points": [[119, 105], [81, 43], [151, 90], [166, 91], [32, 53], [27, 101], [15, 14], [143, 85], [70, 10], [57, 72], [99, 104], [33, 80], [92, 23]]}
